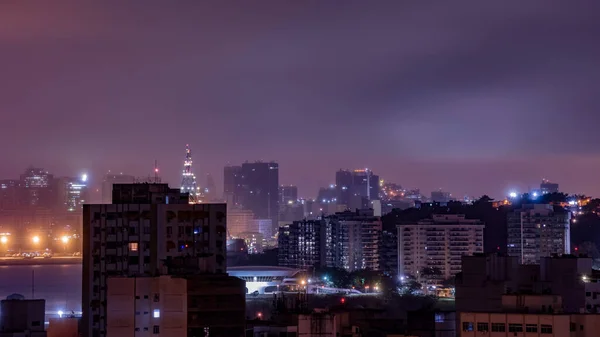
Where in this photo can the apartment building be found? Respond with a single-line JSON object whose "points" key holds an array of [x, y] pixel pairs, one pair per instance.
{"points": [[536, 231], [437, 244], [147, 225]]}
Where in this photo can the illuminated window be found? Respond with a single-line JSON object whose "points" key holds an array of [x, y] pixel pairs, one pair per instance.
{"points": [[133, 246], [156, 313]]}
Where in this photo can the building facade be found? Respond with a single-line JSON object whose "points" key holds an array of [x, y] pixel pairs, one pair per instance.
{"points": [[356, 240], [538, 230], [136, 237], [146, 306], [438, 245], [304, 244]]}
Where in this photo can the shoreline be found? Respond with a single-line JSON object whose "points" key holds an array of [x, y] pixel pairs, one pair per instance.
{"points": [[8, 261]]}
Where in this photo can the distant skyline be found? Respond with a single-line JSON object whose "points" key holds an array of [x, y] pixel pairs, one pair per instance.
{"points": [[474, 97]]}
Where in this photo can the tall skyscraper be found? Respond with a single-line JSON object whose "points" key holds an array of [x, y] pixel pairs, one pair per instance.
{"points": [[72, 193], [357, 188], [255, 187], [288, 194], [38, 187], [232, 192], [147, 226], [210, 189], [188, 179], [536, 231]]}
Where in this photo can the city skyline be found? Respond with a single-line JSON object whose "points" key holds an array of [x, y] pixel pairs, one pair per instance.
{"points": [[428, 96]]}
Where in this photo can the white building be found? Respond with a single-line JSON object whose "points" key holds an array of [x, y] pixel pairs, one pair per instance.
{"points": [[439, 243], [135, 240], [146, 306], [536, 231]]}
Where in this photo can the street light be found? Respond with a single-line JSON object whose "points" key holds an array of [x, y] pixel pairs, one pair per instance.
{"points": [[3, 239], [36, 239], [65, 239]]}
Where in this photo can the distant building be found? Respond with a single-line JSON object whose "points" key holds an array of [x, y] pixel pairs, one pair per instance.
{"points": [[38, 188], [441, 196], [357, 239], [232, 185], [239, 221], [437, 244], [146, 226], [536, 231], [356, 188], [20, 317], [254, 187], [347, 240], [304, 244], [72, 193], [112, 179], [288, 194], [388, 254], [548, 187]]}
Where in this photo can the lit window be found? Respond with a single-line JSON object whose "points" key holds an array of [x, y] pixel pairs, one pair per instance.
{"points": [[156, 313], [133, 246]]}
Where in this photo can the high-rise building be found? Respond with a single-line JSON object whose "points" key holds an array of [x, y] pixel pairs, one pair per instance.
{"points": [[188, 179], [432, 249], [232, 185], [210, 191], [38, 187], [146, 226], [358, 236], [357, 188], [258, 191], [111, 179], [288, 194], [72, 193], [548, 187], [536, 231], [304, 244], [9, 194], [347, 240]]}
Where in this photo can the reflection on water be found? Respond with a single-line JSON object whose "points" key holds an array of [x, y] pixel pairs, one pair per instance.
{"points": [[59, 285]]}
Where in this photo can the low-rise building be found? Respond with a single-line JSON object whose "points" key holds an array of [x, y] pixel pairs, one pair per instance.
{"points": [[20, 317]]}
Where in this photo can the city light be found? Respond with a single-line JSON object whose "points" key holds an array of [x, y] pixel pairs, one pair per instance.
{"points": [[3, 239], [65, 239], [513, 194], [84, 177], [36, 239], [60, 313]]}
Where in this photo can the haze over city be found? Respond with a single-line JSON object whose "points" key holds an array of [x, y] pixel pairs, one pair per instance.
{"points": [[474, 99]]}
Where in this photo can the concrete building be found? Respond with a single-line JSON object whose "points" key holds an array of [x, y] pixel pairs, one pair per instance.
{"points": [[437, 244], [113, 179], [357, 239], [441, 196], [63, 327], [239, 221], [288, 194], [146, 306], [486, 278], [548, 187], [135, 239], [304, 244], [536, 231], [265, 279], [356, 188], [20, 318]]}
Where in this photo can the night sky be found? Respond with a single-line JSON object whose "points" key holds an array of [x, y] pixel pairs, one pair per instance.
{"points": [[473, 97]]}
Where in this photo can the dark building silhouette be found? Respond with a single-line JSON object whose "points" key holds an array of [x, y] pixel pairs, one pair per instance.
{"points": [[356, 188], [288, 194], [232, 176]]}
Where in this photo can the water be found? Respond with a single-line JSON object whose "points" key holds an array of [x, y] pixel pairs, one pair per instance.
{"points": [[59, 285]]}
